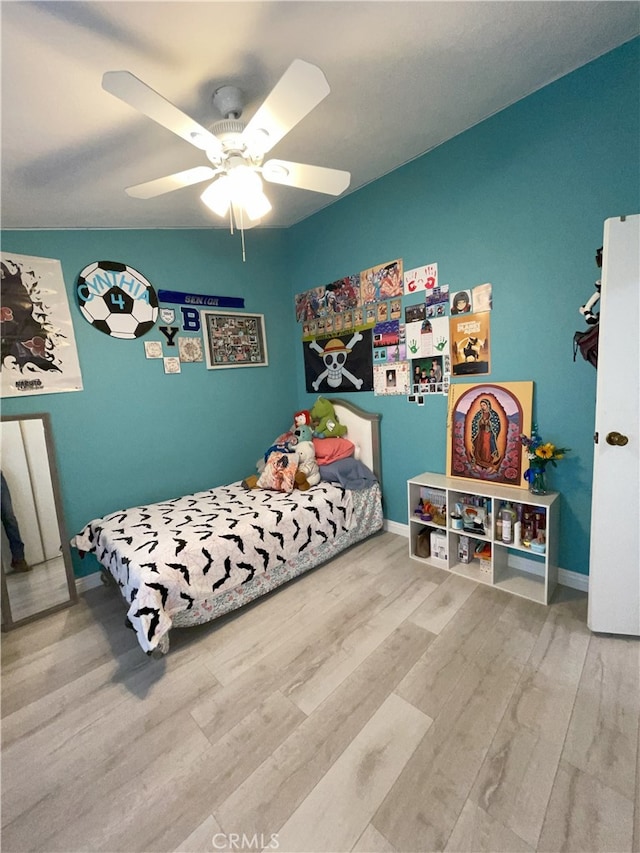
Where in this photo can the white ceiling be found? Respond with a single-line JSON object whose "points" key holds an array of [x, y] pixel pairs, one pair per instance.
{"points": [[404, 77]]}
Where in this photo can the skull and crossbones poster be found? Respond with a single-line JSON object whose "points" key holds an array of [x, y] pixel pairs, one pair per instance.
{"points": [[342, 363]]}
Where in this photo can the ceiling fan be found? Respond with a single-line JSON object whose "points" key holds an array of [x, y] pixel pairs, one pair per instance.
{"points": [[236, 151]]}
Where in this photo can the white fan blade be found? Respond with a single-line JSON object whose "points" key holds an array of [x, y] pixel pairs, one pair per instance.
{"points": [[137, 94], [159, 186], [299, 90], [305, 177]]}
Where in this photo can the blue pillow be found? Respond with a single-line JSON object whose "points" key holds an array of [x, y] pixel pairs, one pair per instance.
{"points": [[350, 473]]}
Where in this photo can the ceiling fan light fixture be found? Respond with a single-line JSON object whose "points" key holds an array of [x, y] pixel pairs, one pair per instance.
{"points": [[247, 192], [217, 196], [236, 150], [257, 206], [244, 179], [242, 187]]}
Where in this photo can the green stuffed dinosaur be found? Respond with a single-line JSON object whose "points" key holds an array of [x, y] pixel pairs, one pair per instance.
{"points": [[325, 421]]}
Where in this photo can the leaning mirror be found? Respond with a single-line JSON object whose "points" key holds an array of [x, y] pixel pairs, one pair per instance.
{"points": [[37, 576]]}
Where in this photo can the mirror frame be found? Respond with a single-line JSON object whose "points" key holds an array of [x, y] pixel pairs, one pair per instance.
{"points": [[8, 622]]}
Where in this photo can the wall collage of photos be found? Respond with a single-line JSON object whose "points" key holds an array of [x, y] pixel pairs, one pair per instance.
{"points": [[394, 331]]}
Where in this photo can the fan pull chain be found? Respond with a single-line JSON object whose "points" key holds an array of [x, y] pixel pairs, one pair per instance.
{"points": [[244, 257], [240, 226]]}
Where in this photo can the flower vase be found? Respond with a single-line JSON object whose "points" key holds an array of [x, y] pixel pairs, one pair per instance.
{"points": [[538, 481]]}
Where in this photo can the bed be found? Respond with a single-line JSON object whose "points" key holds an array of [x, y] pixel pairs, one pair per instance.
{"points": [[192, 559]]}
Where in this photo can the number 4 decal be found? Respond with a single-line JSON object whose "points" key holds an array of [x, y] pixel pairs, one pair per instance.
{"points": [[117, 300]]}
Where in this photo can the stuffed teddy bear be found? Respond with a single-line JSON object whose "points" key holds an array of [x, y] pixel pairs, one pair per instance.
{"points": [[325, 421], [307, 464]]}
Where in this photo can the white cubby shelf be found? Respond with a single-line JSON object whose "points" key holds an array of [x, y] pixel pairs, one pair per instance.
{"points": [[515, 568]]}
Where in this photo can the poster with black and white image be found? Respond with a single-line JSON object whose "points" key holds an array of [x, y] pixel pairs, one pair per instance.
{"points": [[39, 354], [343, 363]]}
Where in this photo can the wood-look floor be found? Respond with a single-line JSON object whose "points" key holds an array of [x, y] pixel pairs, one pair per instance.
{"points": [[374, 704]]}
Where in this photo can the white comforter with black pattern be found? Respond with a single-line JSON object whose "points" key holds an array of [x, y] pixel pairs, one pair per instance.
{"points": [[167, 555]]}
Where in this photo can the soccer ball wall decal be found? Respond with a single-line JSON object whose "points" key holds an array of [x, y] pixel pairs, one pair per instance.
{"points": [[117, 299]]}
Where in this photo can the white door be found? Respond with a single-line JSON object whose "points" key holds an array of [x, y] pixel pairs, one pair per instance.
{"points": [[614, 568]]}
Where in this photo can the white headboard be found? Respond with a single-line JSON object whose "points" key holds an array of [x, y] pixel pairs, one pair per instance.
{"points": [[363, 429]]}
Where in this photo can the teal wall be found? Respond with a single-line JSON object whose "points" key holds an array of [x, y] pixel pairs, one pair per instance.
{"points": [[135, 435], [518, 201]]}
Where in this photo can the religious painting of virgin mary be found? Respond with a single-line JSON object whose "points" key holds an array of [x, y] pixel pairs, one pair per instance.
{"points": [[483, 432]]}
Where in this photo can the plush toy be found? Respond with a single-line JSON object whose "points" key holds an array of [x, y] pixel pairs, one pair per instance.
{"points": [[303, 432], [301, 446], [288, 438], [299, 481], [307, 455], [279, 446], [300, 419], [325, 421], [587, 309]]}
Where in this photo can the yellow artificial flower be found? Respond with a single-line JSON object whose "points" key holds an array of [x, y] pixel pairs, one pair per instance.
{"points": [[545, 451]]}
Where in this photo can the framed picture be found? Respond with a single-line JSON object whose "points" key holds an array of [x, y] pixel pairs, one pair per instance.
{"points": [[233, 339], [484, 427]]}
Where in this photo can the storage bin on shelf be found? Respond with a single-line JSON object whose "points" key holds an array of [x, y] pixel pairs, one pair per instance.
{"points": [[431, 506], [439, 545]]}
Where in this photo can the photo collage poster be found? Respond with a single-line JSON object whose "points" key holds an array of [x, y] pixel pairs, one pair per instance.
{"points": [[416, 347], [427, 334], [342, 319]]}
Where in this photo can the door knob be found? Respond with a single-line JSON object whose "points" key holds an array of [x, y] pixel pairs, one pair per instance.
{"points": [[617, 439]]}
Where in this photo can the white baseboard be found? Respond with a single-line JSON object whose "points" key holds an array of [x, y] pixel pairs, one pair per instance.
{"points": [[574, 580], [396, 527], [88, 582]]}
